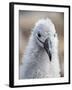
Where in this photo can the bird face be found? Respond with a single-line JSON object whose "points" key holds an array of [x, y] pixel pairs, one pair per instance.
{"points": [[46, 36]]}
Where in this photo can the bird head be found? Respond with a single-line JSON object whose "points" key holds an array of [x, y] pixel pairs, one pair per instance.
{"points": [[45, 35]]}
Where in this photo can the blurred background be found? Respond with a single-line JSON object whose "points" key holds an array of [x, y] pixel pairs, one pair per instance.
{"points": [[27, 20]]}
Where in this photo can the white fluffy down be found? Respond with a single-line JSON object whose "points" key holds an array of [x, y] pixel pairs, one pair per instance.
{"points": [[36, 63]]}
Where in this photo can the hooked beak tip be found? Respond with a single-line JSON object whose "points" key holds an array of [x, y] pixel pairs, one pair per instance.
{"points": [[50, 57]]}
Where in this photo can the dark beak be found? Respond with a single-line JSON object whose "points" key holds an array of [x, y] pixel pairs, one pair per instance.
{"points": [[47, 47]]}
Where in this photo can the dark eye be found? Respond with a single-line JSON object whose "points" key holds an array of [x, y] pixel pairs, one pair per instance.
{"points": [[55, 35], [39, 35]]}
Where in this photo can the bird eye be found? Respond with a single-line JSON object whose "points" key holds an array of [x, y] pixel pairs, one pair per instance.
{"points": [[55, 35], [39, 35]]}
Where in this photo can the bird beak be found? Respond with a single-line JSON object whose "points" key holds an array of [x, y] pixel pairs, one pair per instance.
{"points": [[47, 47]]}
